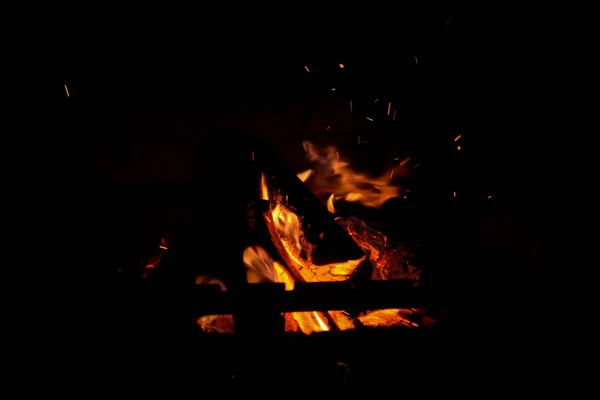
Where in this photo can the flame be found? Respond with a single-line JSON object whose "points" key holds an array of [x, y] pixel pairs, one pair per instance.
{"points": [[334, 176], [330, 207], [305, 175], [286, 231], [262, 268], [264, 190]]}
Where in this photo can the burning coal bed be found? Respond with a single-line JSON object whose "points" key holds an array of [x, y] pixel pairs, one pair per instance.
{"points": [[291, 235]]}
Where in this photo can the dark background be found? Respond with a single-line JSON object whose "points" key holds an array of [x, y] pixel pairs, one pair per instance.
{"points": [[168, 102]]}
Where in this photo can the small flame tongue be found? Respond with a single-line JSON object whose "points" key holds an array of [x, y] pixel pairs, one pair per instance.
{"points": [[332, 176]]}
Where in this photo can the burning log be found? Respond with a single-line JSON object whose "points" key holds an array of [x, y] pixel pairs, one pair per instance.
{"points": [[331, 243]]}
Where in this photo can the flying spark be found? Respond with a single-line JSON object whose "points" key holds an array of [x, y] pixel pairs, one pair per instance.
{"points": [[252, 155], [328, 126], [306, 68], [416, 60], [419, 163], [394, 116], [458, 137], [350, 105], [391, 174], [370, 119], [489, 197], [376, 100], [342, 66], [389, 106], [67, 90], [359, 140], [458, 147], [332, 89], [164, 248], [454, 194], [407, 159]]}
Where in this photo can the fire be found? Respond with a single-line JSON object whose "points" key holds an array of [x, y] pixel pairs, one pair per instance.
{"points": [[334, 176], [285, 228], [262, 268], [330, 207], [264, 193]]}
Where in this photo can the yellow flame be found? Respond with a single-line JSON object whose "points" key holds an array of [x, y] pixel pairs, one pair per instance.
{"points": [[264, 189], [331, 175], [330, 207], [304, 175]]}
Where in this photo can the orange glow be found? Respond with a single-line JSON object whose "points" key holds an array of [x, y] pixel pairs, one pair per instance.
{"points": [[293, 252], [342, 66], [458, 147], [458, 137], [264, 189], [330, 207], [163, 247], [403, 162], [306, 68], [261, 268], [489, 197], [333, 175], [454, 194], [389, 106]]}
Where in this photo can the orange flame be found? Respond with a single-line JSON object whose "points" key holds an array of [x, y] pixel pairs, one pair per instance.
{"points": [[330, 207], [262, 268], [264, 189], [333, 176]]}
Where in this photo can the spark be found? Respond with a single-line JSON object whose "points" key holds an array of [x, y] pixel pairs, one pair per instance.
{"points": [[328, 126], [370, 119], [306, 68], [337, 154], [396, 159], [389, 106], [458, 147], [333, 89], [394, 116], [252, 155], [391, 174], [67, 90], [454, 194], [359, 139], [416, 60], [376, 100], [164, 248], [407, 159], [350, 105], [458, 137], [342, 66], [489, 197], [419, 163]]}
